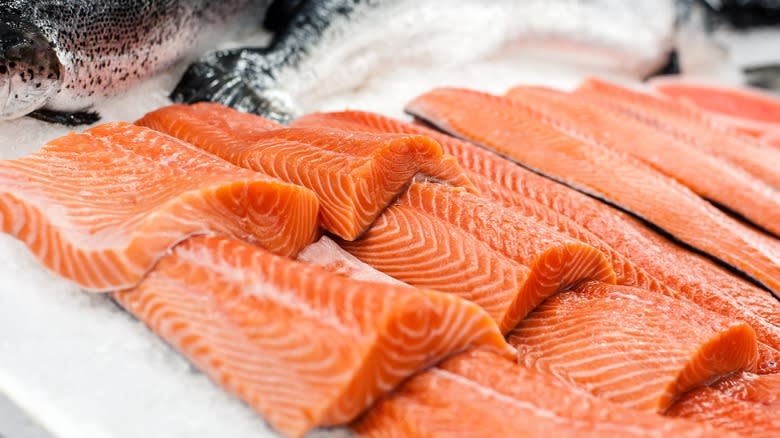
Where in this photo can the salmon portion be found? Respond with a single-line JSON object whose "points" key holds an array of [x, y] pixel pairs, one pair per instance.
{"points": [[101, 207], [639, 256], [630, 346], [707, 175], [496, 258], [511, 128], [748, 110], [744, 403], [355, 176], [480, 394], [302, 346], [690, 125]]}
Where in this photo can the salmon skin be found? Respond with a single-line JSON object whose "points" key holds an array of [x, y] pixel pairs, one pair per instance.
{"points": [[689, 125], [639, 256], [479, 394], [52, 73], [632, 347], [744, 403], [302, 346], [99, 208], [708, 176], [514, 130], [354, 175], [446, 239]]}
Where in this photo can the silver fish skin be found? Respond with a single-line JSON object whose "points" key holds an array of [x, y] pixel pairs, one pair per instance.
{"points": [[58, 57], [329, 46]]}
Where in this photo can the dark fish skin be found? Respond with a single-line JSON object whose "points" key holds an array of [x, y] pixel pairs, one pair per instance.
{"points": [[245, 78], [103, 47], [322, 47]]}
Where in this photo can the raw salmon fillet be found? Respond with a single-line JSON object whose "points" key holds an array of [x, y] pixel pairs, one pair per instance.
{"points": [[99, 208], [355, 176], [707, 175], [302, 346], [747, 110], [478, 394], [690, 125], [447, 239], [639, 256], [513, 129], [745, 403], [630, 346]]}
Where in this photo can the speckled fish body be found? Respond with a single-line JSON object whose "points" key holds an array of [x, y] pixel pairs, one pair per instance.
{"points": [[64, 55], [329, 46]]}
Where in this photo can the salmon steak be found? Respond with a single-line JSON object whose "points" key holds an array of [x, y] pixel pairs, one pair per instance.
{"points": [[640, 257], [705, 174], [633, 347], [745, 403], [690, 125], [528, 137], [302, 346], [354, 175], [101, 207], [501, 260], [478, 393]]}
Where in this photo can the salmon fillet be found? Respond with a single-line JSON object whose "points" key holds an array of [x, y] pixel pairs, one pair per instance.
{"points": [[99, 208], [302, 346], [355, 176], [496, 258], [689, 125], [707, 175], [745, 403], [630, 346], [480, 394], [513, 129], [639, 256]]}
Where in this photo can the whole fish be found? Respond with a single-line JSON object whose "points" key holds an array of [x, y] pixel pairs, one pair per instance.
{"points": [[58, 57], [326, 46]]}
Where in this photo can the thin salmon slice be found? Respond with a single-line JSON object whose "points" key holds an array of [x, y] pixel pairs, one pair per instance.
{"points": [[640, 257], [690, 125], [355, 176], [630, 346], [302, 346], [480, 394], [447, 239], [99, 208], [744, 403], [511, 128], [705, 174], [748, 110]]}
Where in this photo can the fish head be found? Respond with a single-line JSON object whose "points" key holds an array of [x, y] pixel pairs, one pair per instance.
{"points": [[30, 71]]}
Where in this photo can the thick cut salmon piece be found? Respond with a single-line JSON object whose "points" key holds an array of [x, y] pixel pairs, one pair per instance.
{"points": [[513, 129], [99, 208], [640, 257], [479, 394], [355, 176], [630, 346], [746, 109], [302, 346], [745, 403], [690, 125], [707, 175], [446, 239]]}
